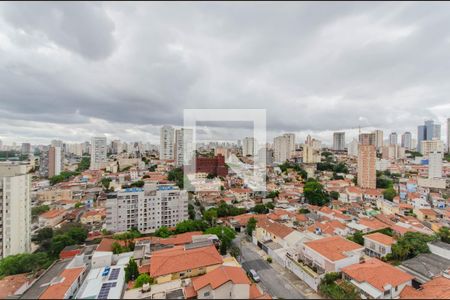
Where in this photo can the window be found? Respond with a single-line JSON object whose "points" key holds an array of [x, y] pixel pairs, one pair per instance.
{"points": [[206, 294]]}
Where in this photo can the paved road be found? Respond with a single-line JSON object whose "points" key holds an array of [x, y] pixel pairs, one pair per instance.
{"points": [[271, 281]]}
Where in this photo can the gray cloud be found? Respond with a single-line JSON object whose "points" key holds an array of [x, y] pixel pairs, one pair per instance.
{"points": [[316, 67]]}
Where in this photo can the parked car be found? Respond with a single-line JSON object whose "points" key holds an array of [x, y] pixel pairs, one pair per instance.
{"points": [[254, 275]]}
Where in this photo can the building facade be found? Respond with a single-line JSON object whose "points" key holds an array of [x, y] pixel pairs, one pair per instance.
{"points": [[15, 209], [367, 166], [407, 140], [427, 132], [183, 141], [393, 138], [339, 141], [98, 153], [54, 161], [166, 143]]}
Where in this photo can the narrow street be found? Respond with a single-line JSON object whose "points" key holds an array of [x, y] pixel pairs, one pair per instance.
{"points": [[271, 281]]}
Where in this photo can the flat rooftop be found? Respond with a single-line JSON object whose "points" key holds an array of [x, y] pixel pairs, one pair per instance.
{"points": [[427, 265]]}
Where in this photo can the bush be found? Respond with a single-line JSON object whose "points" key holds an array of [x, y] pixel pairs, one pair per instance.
{"points": [[143, 279], [24, 263], [269, 260]]}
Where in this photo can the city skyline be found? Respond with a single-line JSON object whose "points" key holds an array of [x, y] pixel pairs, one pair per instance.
{"points": [[58, 83]]}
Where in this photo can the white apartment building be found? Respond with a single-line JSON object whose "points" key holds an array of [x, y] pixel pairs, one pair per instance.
{"points": [[166, 143], [310, 154], [98, 153], [147, 208], [435, 165], [183, 141], [393, 138], [248, 146], [339, 141], [15, 209], [432, 145], [407, 140], [352, 149], [378, 138], [283, 147]]}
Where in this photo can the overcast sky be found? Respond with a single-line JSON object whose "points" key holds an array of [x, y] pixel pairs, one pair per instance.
{"points": [[73, 70]]}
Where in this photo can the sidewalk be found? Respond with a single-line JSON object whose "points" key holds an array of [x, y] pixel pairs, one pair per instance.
{"points": [[301, 286]]}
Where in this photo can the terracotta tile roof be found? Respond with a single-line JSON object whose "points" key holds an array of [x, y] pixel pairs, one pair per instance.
{"points": [[437, 288], [221, 276], [10, 284], [190, 292], [58, 290], [178, 239], [401, 230], [327, 227], [380, 238], [256, 294], [178, 259], [52, 213], [106, 244], [243, 219], [275, 228], [377, 273], [237, 190], [301, 218], [373, 224], [428, 211], [333, 248]]}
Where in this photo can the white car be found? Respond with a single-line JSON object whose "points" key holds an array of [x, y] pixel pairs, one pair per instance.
{"points": [[254, 275]]}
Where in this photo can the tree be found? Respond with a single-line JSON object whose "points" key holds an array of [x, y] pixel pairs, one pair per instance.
{"points": [[210, 216], [260, 209], [389, 194], [251, 225], [78, 205], [270, 205], [334, 195], [24, 263], [84, 164], [177, 176], [225, 235], [383, 183], [131, 270], [163, 232], [357, 237], [303, 211], [235, 251], [444, 234], [410, 245], [273, 194], [191, 225], [314, 193], [117, 248], [143, 279], [59, 242], [76, 231], [43, 234], [36, 211], [191, 211], [105, 182]]}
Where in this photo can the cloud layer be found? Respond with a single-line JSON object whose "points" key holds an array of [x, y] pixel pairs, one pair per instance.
{"points": [[73, 70]]}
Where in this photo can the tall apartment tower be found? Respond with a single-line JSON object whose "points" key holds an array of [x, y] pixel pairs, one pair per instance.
{"points": [[54, 161], [98, 153], [147, 208], [435, 165], [367, 139], [407, 140], [339, 141], [291, 141], [427, 132], [248, 146], [15, 209], [378, 139], [183, 141], [281, 149], [367, 155], [167, 143], [25, 148], [393, 138]]}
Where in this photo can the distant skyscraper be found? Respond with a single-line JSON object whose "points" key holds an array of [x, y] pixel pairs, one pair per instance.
{"points": [[367, 156], [116, 147], [54, 161], [407, 140], [281, 149], [339, 141], [378, 139], [367, 139], [427, 132], [166, 144], [248, 146], [435, 165], [183, 141], [15, 209], [352, 149], [291, 140], [98, 153], [393, 139], [26, 148]]}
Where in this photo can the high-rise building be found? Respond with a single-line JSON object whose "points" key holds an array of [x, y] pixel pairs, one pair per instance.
{"points": [[310, 154], [427, 132], [407, 140], [167, 143], [367, 138], [43, 162], [26, 148], [367, 156], [378, 139], [116, 147], [147, 208], [339, 141], [98, 153], [183, 143], [291, 140], [393, 139], [281, 149], [15, 209], [431, 146], [54, 161], [248, 146], [392, 152], [57, 143], [448, 136], [352, 149], [435, 165]]}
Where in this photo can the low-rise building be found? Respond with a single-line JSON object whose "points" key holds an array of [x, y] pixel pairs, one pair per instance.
{"points": [[51, 218], [378, 244]]}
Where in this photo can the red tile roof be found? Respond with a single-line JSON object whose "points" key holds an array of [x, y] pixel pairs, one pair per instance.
{"points": [[52, 213], [437, 288], [380, 238], [373, 224], [333, 248], [10, 284], [106, 244], [178, 259], [275, 228], [377, 273], [220, 276], [59, 290]]}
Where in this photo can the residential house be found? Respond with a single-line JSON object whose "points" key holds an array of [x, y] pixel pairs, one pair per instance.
{"points": [[378, 244], [376, 279], [51, 218], [436, 288]]}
